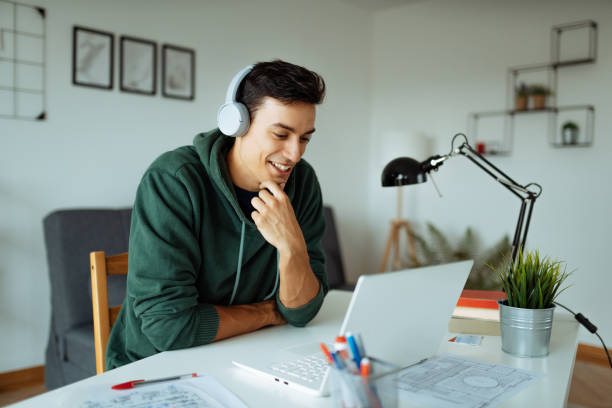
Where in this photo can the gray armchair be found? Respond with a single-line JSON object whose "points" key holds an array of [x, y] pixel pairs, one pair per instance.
{"points": [[70, 235]]}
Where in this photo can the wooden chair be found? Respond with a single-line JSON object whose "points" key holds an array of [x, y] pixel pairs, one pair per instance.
{"points": [[103, 315]]}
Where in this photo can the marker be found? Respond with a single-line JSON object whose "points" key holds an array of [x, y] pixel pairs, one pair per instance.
{"points": [[131, 384], [341, 347], [354, 349], [328, 355], [365, 367]]}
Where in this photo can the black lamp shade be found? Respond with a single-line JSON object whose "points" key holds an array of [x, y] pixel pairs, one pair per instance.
{"points": [[402, 171]]}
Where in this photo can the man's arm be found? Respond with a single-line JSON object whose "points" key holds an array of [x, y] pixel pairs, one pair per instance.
{"points": [[164, 260], [235, 320]]}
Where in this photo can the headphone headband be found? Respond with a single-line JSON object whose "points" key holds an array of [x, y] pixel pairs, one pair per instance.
{"points": [[232, 90]]}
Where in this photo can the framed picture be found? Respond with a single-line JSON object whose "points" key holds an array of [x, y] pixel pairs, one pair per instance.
{"points": [[92, 58], [137, 65], [178, 72]]}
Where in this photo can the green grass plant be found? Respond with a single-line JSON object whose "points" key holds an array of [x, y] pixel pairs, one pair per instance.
{"points": [[532, 281]]}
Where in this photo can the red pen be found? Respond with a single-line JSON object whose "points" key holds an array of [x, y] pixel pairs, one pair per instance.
{"points": [[328, 355], [131, 384]]}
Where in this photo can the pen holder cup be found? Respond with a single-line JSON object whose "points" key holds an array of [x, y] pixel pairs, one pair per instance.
{"points": [[378, 390]]}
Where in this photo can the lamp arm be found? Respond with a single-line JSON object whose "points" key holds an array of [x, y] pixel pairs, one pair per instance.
{"points": [[466, 150], [527, 197]]}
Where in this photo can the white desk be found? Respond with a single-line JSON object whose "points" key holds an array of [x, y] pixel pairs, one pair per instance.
{"points": [[215, 359]]}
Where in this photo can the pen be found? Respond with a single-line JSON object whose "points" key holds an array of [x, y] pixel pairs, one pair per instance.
{"points": [[337, 360], [354, 349], [131, 384], [328, 355]]}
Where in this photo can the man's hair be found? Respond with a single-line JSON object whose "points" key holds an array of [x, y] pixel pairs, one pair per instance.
{"points": [[280, 80]]}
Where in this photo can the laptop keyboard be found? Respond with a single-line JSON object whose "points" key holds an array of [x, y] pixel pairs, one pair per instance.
{"points": [[310, 368]]}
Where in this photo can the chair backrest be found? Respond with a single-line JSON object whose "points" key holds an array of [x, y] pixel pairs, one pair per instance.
{"points": [[68, 241], [104, 316], [333, 255]]}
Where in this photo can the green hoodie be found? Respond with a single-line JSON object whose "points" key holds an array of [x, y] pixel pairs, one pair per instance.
{"points": [[191, 247]]}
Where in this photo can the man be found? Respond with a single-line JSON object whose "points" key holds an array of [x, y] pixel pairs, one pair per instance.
{"points": [[226, 234]]}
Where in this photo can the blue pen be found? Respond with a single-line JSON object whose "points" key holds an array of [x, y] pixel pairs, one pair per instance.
{"points": [[354, 349], [337, 360]]}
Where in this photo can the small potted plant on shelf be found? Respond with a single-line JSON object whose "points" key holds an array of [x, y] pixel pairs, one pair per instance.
{"points": [[569, 133], [522, 95], [532, 283], [539, 93]]}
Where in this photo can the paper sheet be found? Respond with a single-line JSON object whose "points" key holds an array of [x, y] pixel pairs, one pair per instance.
{"points": [[451, 381], [198, 392]]}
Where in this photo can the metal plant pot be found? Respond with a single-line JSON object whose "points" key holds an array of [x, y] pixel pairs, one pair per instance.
{"points": [[525, 332]]}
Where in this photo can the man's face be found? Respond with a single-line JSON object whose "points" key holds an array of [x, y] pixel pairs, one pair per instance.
{"points": [[273, 145]]}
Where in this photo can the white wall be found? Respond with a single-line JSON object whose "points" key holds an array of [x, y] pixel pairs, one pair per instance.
{"points": [[109, 137], [435, 62], [400, 82]]}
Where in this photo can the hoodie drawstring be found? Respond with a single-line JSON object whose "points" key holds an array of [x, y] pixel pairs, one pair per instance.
{"points": [[240, 251]]}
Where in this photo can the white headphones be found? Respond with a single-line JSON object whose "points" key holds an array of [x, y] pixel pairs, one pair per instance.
{"points": [[233, 117]]}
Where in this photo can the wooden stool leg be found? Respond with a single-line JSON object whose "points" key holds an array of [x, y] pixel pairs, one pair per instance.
{"points": [[410, 244], [390, 242], [397, 262]]}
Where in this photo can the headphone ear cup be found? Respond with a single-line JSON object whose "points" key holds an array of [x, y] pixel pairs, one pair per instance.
{"points": [[233, 119]]}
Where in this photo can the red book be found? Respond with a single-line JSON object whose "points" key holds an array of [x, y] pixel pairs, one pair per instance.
{"points": [[486, 299]]}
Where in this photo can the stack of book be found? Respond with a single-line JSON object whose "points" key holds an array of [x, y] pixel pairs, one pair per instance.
{"points": [[477, 312]]}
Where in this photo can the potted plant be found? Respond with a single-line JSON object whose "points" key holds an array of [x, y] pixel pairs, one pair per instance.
{"points": [[522, 93], [569, 133], [532, 283], [539, 94]]}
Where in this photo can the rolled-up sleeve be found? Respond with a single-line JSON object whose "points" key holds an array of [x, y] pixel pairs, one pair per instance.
{"points": [[164, 260]]}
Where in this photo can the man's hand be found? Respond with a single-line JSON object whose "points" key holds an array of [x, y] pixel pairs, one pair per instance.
{"points": [[276, 221]]}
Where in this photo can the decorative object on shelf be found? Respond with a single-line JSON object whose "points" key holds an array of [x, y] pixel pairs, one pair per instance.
{"points": [[570, 133], [580, 116], [178, 72], [544, 100], [23, 33], [522, 97], [137, 65], [531, 284], [404, 170], [92, 58], [539, 93]]}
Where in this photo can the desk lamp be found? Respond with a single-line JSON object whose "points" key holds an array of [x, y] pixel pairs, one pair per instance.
{"points": [[404, 170]]}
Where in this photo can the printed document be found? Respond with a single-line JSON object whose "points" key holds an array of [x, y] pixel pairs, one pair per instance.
{"points": [[197, 392], [451, 381]]}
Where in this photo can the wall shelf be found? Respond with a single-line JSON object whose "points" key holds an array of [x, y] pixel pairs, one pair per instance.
{"points": [[569, 116]]}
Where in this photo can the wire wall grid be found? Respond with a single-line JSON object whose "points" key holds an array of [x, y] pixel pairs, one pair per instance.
{"points": [[23, 56]]}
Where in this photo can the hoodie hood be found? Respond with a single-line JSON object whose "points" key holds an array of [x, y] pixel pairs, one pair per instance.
{"points": [[212, 147]]}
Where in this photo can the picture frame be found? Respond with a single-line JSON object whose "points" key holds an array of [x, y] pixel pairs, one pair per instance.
{"points": [[92, 58], [137, 65], [178, 72]]}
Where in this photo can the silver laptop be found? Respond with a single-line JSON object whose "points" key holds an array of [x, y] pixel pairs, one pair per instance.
{"points": [[402, 318]]}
